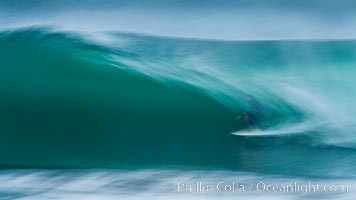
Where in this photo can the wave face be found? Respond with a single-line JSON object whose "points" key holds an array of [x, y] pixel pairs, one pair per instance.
{"points": [[142, 101]]}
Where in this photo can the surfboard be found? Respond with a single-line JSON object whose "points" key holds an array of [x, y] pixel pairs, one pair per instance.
{"points": [[301, 128], [263, 133]]}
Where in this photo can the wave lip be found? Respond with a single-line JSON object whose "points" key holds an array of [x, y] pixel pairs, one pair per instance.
{"points": [[232, 20]]}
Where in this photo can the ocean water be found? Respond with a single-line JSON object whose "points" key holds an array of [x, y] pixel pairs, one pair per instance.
{"points": [[135, 100]]}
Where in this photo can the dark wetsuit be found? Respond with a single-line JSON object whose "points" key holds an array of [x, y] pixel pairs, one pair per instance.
{"points": [[254, 113]]}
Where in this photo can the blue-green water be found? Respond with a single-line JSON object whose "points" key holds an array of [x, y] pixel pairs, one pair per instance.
{"points": [[89, 111]]}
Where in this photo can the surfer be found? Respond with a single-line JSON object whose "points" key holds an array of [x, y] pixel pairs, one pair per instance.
{"points": [[253, 114]]}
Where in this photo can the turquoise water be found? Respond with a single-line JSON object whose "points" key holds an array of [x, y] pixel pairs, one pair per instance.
{"points": [[119, 113]]}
